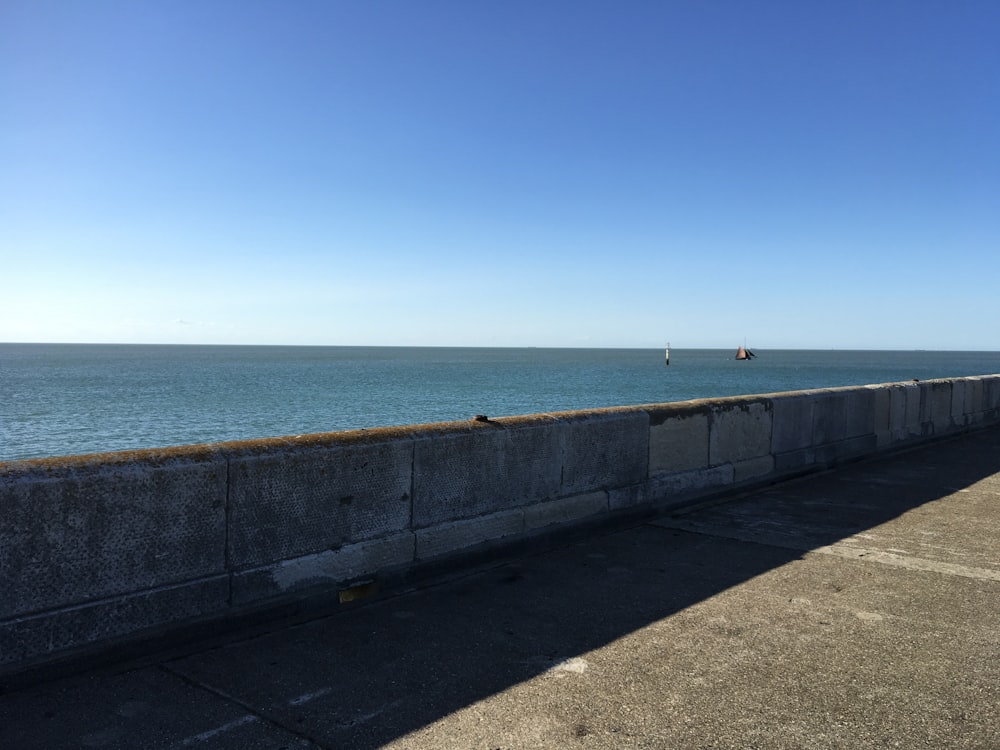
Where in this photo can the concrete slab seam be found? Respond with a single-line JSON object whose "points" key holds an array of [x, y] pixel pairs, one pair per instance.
{"points": [[233, 700]]}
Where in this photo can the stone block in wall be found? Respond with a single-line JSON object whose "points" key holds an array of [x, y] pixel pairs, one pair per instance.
{"points": [[753, 468], [897, 412], [287, 501], [842, 413], [827, 454], [939, 395], [792, 421], [959, 397], [829, 417], [861, 411], [624, 498], [330, 567], [565, 510], [795, 461], [967, 399], [108, 620], [926, 425], [739, 429], [666, 489], [452, 536], [604, 449], [989, 403], [678, 439], [976, 399], [80, 529], [833, 453], [991, 393], [881, 413], [904, 415], [474, 469]]}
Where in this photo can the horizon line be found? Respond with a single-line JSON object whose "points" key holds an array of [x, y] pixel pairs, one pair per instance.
{"points": [[493, 346]]}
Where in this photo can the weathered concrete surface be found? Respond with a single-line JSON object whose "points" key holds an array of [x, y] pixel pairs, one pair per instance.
{"points": [[859, 608], [484, 468], [116, 527], [679, 443], [741, 430], [317, 498]]}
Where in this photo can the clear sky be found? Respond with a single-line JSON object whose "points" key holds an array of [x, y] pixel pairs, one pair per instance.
{"points": [[797, 174]]}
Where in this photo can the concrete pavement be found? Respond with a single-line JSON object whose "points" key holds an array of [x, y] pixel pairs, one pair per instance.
{"points": [[858, 608]]}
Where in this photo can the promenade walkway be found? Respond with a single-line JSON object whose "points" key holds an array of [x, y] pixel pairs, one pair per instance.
{"points": [[858, 608]]}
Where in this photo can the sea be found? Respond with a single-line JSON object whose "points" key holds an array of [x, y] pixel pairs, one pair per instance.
{"points": [[69, 399]]}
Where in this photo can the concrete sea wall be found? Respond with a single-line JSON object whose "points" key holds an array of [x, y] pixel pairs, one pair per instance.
{"points": [[99, 549]]}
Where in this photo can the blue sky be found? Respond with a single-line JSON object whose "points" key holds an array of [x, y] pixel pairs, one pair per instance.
{"points": [[796, 174]]}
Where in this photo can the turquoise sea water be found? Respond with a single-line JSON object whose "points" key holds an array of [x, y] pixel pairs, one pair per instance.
{"points": [[64, 399]]}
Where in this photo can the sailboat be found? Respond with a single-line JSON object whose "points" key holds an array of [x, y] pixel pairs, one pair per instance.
{"points": [[668, 354], [744, 354]]}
